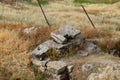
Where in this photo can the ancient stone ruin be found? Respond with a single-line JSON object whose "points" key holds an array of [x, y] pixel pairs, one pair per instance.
{"points": [[61, 40]]}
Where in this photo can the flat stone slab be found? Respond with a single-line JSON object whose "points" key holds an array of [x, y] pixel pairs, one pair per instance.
{"points": [[68, 30], [40, 63], [56, 67], [58, 38], [44, 47], [61, 35]]}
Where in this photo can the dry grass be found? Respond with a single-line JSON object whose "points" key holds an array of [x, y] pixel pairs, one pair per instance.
{"points": [[12, 51], [15, 46]]}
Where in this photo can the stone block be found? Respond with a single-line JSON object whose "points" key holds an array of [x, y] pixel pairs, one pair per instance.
{"points": [[56, 67], [39, 63], [58, 38], [68, 30], [64, 33]]}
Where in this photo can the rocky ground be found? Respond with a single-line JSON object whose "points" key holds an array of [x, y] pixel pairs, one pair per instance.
{"points": [[16, 47], [95, 68]]}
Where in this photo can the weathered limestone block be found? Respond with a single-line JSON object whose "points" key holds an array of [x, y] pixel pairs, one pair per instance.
{"points": [[40, 63], [64, 33], [68, 30], [58, 38], [40, 51], [56, 67]]}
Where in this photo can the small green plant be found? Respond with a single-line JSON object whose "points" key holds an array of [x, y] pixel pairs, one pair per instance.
{"points": [[35, 69], [39, 75], [43, 2], [1, 17], [81, 1], [53, 54], [69, 51]]}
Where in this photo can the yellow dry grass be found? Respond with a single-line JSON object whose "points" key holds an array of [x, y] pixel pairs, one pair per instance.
{"points": [[15, 49]]}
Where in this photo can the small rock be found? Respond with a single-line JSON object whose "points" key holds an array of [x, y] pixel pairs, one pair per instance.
{"points": [[30, 30], [92, 48], [70, 68], [86, 67]]}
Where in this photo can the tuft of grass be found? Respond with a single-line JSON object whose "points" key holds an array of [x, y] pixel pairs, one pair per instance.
{"points": [[39, 75], [96, 33], [1, 17], [15, 48], [81, 1]]}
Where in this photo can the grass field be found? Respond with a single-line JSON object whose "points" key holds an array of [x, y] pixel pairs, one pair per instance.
{"points": [[15, 48], [96, 1]]}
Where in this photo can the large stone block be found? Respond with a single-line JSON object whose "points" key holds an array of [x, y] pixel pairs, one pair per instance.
{"points": [[64, 33], [69, 31], [41, 50], [56, 67], [40, 63]]}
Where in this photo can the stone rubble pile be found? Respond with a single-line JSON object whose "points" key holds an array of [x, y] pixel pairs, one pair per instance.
{"points": [[61, 40]]}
